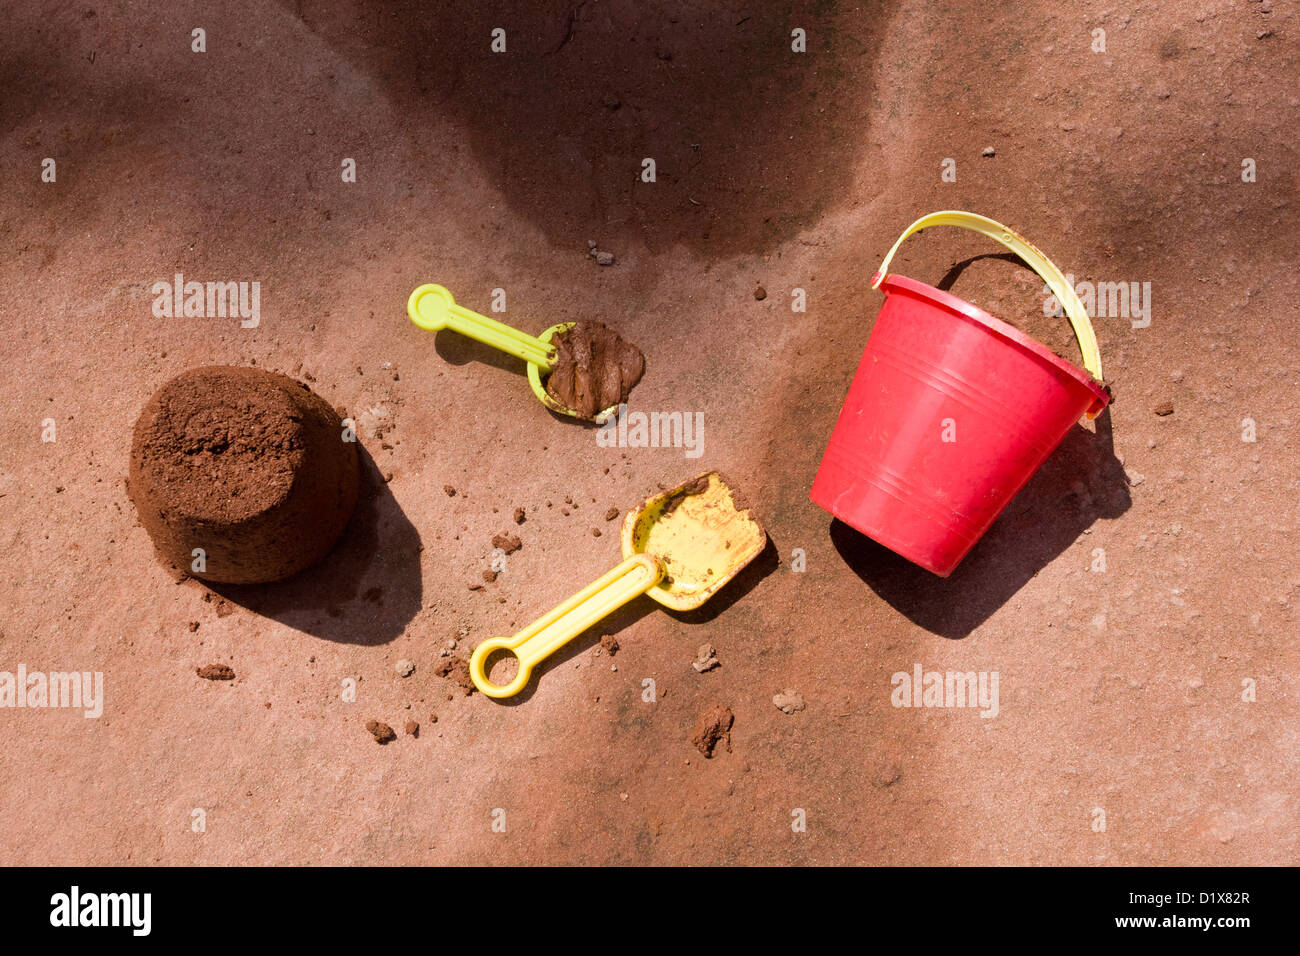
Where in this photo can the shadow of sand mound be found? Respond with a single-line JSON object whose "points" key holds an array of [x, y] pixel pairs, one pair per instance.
{"points": [[365, 591]]}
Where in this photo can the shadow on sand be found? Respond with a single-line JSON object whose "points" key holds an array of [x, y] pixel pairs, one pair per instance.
{"points": [[1080, 483], [365, 591]]}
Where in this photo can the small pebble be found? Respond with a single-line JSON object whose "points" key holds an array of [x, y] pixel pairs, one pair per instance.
{"points": [[405, 667], [989, 151], [706, 658], [509, 543], [789, 701]]}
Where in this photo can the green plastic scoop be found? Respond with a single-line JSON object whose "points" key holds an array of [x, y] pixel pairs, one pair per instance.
{"points": [[432, 308]]}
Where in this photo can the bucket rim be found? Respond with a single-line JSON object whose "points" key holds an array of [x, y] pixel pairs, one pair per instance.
{"points": [[971, 311]]}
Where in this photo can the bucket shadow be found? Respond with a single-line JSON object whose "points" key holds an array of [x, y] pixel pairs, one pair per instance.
{"points": [[1080, 483], [767, 561], [365, 591]]}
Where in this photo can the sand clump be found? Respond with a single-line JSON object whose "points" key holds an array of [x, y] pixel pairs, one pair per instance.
{"points": [[594, 368], [456, 670], [713, 728]]}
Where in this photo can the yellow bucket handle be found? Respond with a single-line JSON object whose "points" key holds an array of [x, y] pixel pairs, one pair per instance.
{"points": [[1027, 251]]}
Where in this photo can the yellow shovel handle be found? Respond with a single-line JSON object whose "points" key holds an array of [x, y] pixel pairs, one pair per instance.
{"points": [[553, 630], [432, 308], [1025, 250]]}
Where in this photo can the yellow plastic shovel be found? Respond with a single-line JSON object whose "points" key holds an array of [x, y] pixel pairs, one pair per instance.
{"points": [[679, 547], [432, 308]]}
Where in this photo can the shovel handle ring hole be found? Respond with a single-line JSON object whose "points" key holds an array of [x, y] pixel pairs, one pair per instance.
{"points": [[496, 669]]}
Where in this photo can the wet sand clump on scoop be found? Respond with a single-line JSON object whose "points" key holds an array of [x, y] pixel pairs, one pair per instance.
{"points": [[594, 368]]}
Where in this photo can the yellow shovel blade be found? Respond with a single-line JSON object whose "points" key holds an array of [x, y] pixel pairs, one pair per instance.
{"points": [[701, 534]]}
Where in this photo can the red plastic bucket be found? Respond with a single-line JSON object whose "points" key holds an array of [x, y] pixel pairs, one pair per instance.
{"points": [[951, 412]]}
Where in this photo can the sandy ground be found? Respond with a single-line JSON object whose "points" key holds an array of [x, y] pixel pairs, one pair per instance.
{"points": [[1121, 692]]}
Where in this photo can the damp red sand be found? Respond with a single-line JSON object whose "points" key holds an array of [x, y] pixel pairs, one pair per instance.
{"points": [[1120, 689]]}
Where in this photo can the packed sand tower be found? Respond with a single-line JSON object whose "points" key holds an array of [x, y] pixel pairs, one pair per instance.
{"points": [[247, 465]]}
